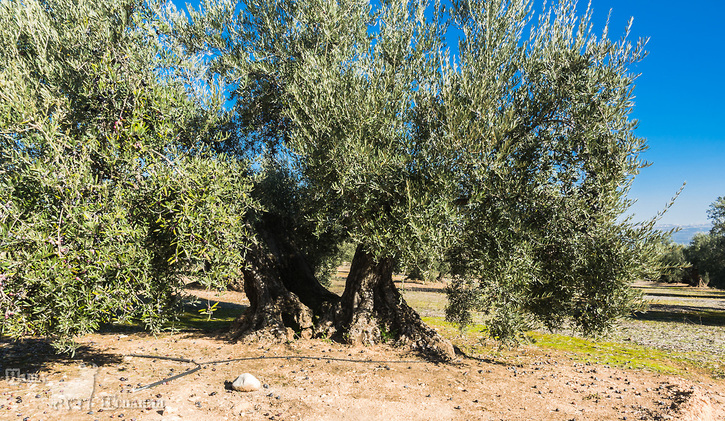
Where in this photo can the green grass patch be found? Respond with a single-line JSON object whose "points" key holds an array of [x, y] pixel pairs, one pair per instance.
{"points": [[474, 341], [191, 319], [207, 315], [441, 323], [629, 356], [472, 338]]}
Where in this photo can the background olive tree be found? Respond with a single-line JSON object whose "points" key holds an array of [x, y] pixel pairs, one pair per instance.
{"points": [[674, 267], [706, 252]]}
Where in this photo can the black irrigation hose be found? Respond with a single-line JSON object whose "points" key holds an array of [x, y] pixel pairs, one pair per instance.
{"points": [[261, 357], [305, 357], [168, 379]]}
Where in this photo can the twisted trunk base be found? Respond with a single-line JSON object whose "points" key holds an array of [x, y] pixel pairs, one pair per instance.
{"points": [[281, 286], [274, 312], [372, 310], [285, 300]]}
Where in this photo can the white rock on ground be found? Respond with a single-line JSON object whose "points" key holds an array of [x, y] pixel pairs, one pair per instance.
{"points": [[246, 383]]}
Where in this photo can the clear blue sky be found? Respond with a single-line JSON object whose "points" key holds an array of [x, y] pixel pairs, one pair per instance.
{"points": [[679, 101]]}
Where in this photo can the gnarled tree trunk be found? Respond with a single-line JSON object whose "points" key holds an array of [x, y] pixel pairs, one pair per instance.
{"points": [[284, 297], [282, 289], [372, 309], [274, 312]]}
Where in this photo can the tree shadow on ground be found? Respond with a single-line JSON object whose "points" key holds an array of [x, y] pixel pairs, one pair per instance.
{"points": [[194, 316], [487, 360], [191, 323], [709, 295], [413, 288], [32, 355], [683, 314]]}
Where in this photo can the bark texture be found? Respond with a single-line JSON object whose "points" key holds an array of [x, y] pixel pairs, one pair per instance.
{"points": [[274, 312], [372, 310], [297, 275], [282, 289], [285, 297]]}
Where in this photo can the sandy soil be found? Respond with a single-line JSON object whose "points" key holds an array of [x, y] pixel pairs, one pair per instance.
{"points": [[317, 379]]}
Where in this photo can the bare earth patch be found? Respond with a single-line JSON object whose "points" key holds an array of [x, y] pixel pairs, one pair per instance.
{"points": [[317, 379]]}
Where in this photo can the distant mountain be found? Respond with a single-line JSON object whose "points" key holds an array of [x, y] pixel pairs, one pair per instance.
{"points": [[686, 232]]}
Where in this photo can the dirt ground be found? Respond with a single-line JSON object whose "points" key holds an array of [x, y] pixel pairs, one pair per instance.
{"points": [[318, 379]]}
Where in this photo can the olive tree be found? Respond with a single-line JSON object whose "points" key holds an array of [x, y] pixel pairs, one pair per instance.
{"points": [[716, 213], [508, 162], [317, 92], [110, 191], [706, 252], [364, 114]]}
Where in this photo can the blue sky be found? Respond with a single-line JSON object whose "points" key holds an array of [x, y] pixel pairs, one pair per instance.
{"points": [[679, 101]]}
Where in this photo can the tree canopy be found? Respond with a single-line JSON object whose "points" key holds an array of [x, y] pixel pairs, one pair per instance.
{"points": [[706, 252], [508, 163]]}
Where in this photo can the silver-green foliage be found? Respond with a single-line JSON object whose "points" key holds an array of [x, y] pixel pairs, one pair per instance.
{"points": [[547, 151], [513, 158], [109, 191], [674, 266], [509, 161], [364, 104]]}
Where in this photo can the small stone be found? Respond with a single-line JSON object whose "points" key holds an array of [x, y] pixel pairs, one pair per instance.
{"points": [[246, 383]]}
